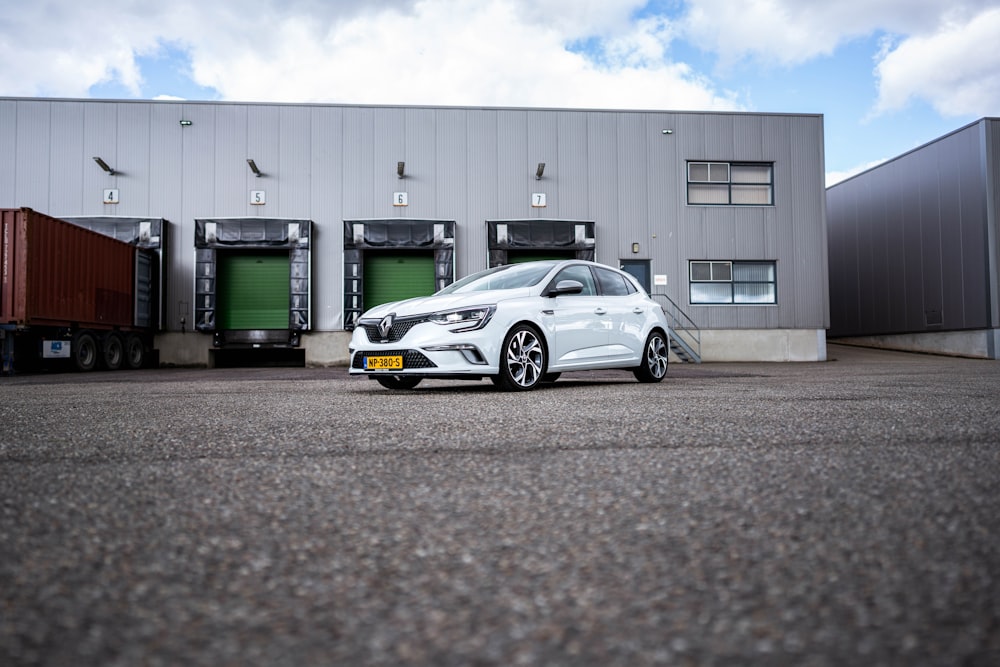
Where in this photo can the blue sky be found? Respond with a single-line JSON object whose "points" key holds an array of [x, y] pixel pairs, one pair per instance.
{"points": [[888, 75]]}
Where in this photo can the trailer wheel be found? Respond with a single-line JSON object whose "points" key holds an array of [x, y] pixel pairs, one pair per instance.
{"points": [[135, 352], [84, 351], [112, 351]]}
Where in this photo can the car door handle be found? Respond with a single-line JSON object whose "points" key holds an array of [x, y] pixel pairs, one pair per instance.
{"points": [[637, 310], [600, 311]]}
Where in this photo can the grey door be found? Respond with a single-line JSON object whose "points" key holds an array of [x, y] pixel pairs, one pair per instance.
{"points": [[640, 269]]}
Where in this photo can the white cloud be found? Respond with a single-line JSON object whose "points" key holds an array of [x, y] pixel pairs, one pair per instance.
{"points": [[462, 52], [495, 52], [63, 47], [955, 68], [791, 32]]}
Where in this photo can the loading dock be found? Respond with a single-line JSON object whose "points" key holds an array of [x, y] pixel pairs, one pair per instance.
{"points": [[252, 281], [512, 241], [390, 259]]}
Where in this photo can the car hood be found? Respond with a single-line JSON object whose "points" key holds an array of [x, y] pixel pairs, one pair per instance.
{"points": [[423, 305]]}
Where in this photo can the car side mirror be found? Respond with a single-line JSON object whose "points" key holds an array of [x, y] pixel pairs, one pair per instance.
{"points": [[565, 287]]}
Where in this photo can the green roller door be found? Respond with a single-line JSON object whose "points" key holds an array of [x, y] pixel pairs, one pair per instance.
{"points": [[252, 290], [394, 276]]}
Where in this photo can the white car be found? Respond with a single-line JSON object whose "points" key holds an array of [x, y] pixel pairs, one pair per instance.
{"points": [[519, 325]]}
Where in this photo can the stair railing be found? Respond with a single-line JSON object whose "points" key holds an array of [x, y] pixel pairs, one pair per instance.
{"points": [[686, 332]]}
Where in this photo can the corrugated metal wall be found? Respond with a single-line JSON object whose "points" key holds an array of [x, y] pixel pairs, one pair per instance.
{"points": [[991, 140], [329, 163], [913, 242]]}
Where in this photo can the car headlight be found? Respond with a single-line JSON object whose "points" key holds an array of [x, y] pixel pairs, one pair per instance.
{"points": [[466, 319]]}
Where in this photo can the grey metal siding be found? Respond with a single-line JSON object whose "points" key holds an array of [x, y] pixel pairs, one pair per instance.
{"points": [[792, 232], [631, 181], [483, 199], [602, 197], [569, 173], [71, 194], [807, 225], [8, 151], [541, 144], [990, 133], [330, 163], [327, 167], [452, 172], [231, 178], [388, 147], [908, 242], [34, 154], [512, 162], [419, 142], [167, 144], [132, 142]]}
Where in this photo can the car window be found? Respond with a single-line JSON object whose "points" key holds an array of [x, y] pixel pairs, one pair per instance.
{"points": [[612, 283], [581, 274]]}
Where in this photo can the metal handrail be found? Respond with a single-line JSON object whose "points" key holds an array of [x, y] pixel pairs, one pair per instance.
{"points": [[681, 324]]}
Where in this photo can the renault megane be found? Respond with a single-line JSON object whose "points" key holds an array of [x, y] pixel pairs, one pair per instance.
{"points": [[519, 325]]}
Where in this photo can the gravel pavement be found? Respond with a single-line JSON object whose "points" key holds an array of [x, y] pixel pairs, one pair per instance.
{"points": [[837, 513]]}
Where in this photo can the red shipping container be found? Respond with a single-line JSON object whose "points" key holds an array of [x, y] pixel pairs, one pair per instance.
{"points": [[58, 274]]}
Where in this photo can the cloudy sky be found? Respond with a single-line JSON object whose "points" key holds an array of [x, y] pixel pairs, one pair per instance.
{"points": [[888, 75]]}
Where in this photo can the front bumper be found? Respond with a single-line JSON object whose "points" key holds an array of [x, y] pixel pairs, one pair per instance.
{"points": [[428, 350]]}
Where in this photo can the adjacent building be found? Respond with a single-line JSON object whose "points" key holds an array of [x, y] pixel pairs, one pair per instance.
{"points": [[276, 225], [915, 248]]}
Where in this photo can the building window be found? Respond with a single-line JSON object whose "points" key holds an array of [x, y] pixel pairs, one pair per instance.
{"points": [[730, 183], [733, 282]]}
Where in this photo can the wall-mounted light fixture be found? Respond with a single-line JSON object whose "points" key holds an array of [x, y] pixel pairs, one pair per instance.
{"points": [[539, 171], [104, 165], [253, 167], [185, 123], [665, 131], [635, 248], [400, 169]]}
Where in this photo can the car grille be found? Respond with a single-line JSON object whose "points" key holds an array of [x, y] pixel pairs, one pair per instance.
{"points": [[411, 359], [399, 329]]}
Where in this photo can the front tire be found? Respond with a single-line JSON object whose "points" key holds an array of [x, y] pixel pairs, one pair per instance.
{"points": [[522, 359], [400, 382], [655, 359]]}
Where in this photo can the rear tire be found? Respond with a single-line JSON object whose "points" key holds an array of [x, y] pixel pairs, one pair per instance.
{"points": [[135, 352], [401, 382], [112, 352], [654, 359], [84, 351]]}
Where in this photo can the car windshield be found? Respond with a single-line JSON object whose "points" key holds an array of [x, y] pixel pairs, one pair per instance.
{"points": [[509, 276]]}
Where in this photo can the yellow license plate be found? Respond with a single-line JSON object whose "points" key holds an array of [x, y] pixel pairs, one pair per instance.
{"points": [[390, 363]]}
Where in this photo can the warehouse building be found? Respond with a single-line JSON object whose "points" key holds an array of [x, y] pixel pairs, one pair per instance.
{"points": [[278, 224], [915, 248]]}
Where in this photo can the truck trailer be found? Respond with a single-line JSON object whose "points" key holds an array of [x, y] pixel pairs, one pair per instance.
{"points": [[69, 293]]}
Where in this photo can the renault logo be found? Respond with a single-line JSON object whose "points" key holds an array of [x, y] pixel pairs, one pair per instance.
{"points": [[385, 326]]}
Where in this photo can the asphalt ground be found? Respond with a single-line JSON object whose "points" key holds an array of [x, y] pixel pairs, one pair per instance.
{"points": [[836, 513]]}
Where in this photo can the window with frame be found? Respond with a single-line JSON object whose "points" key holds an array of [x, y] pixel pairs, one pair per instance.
{"points": [[731, 282], [730, 183]]}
